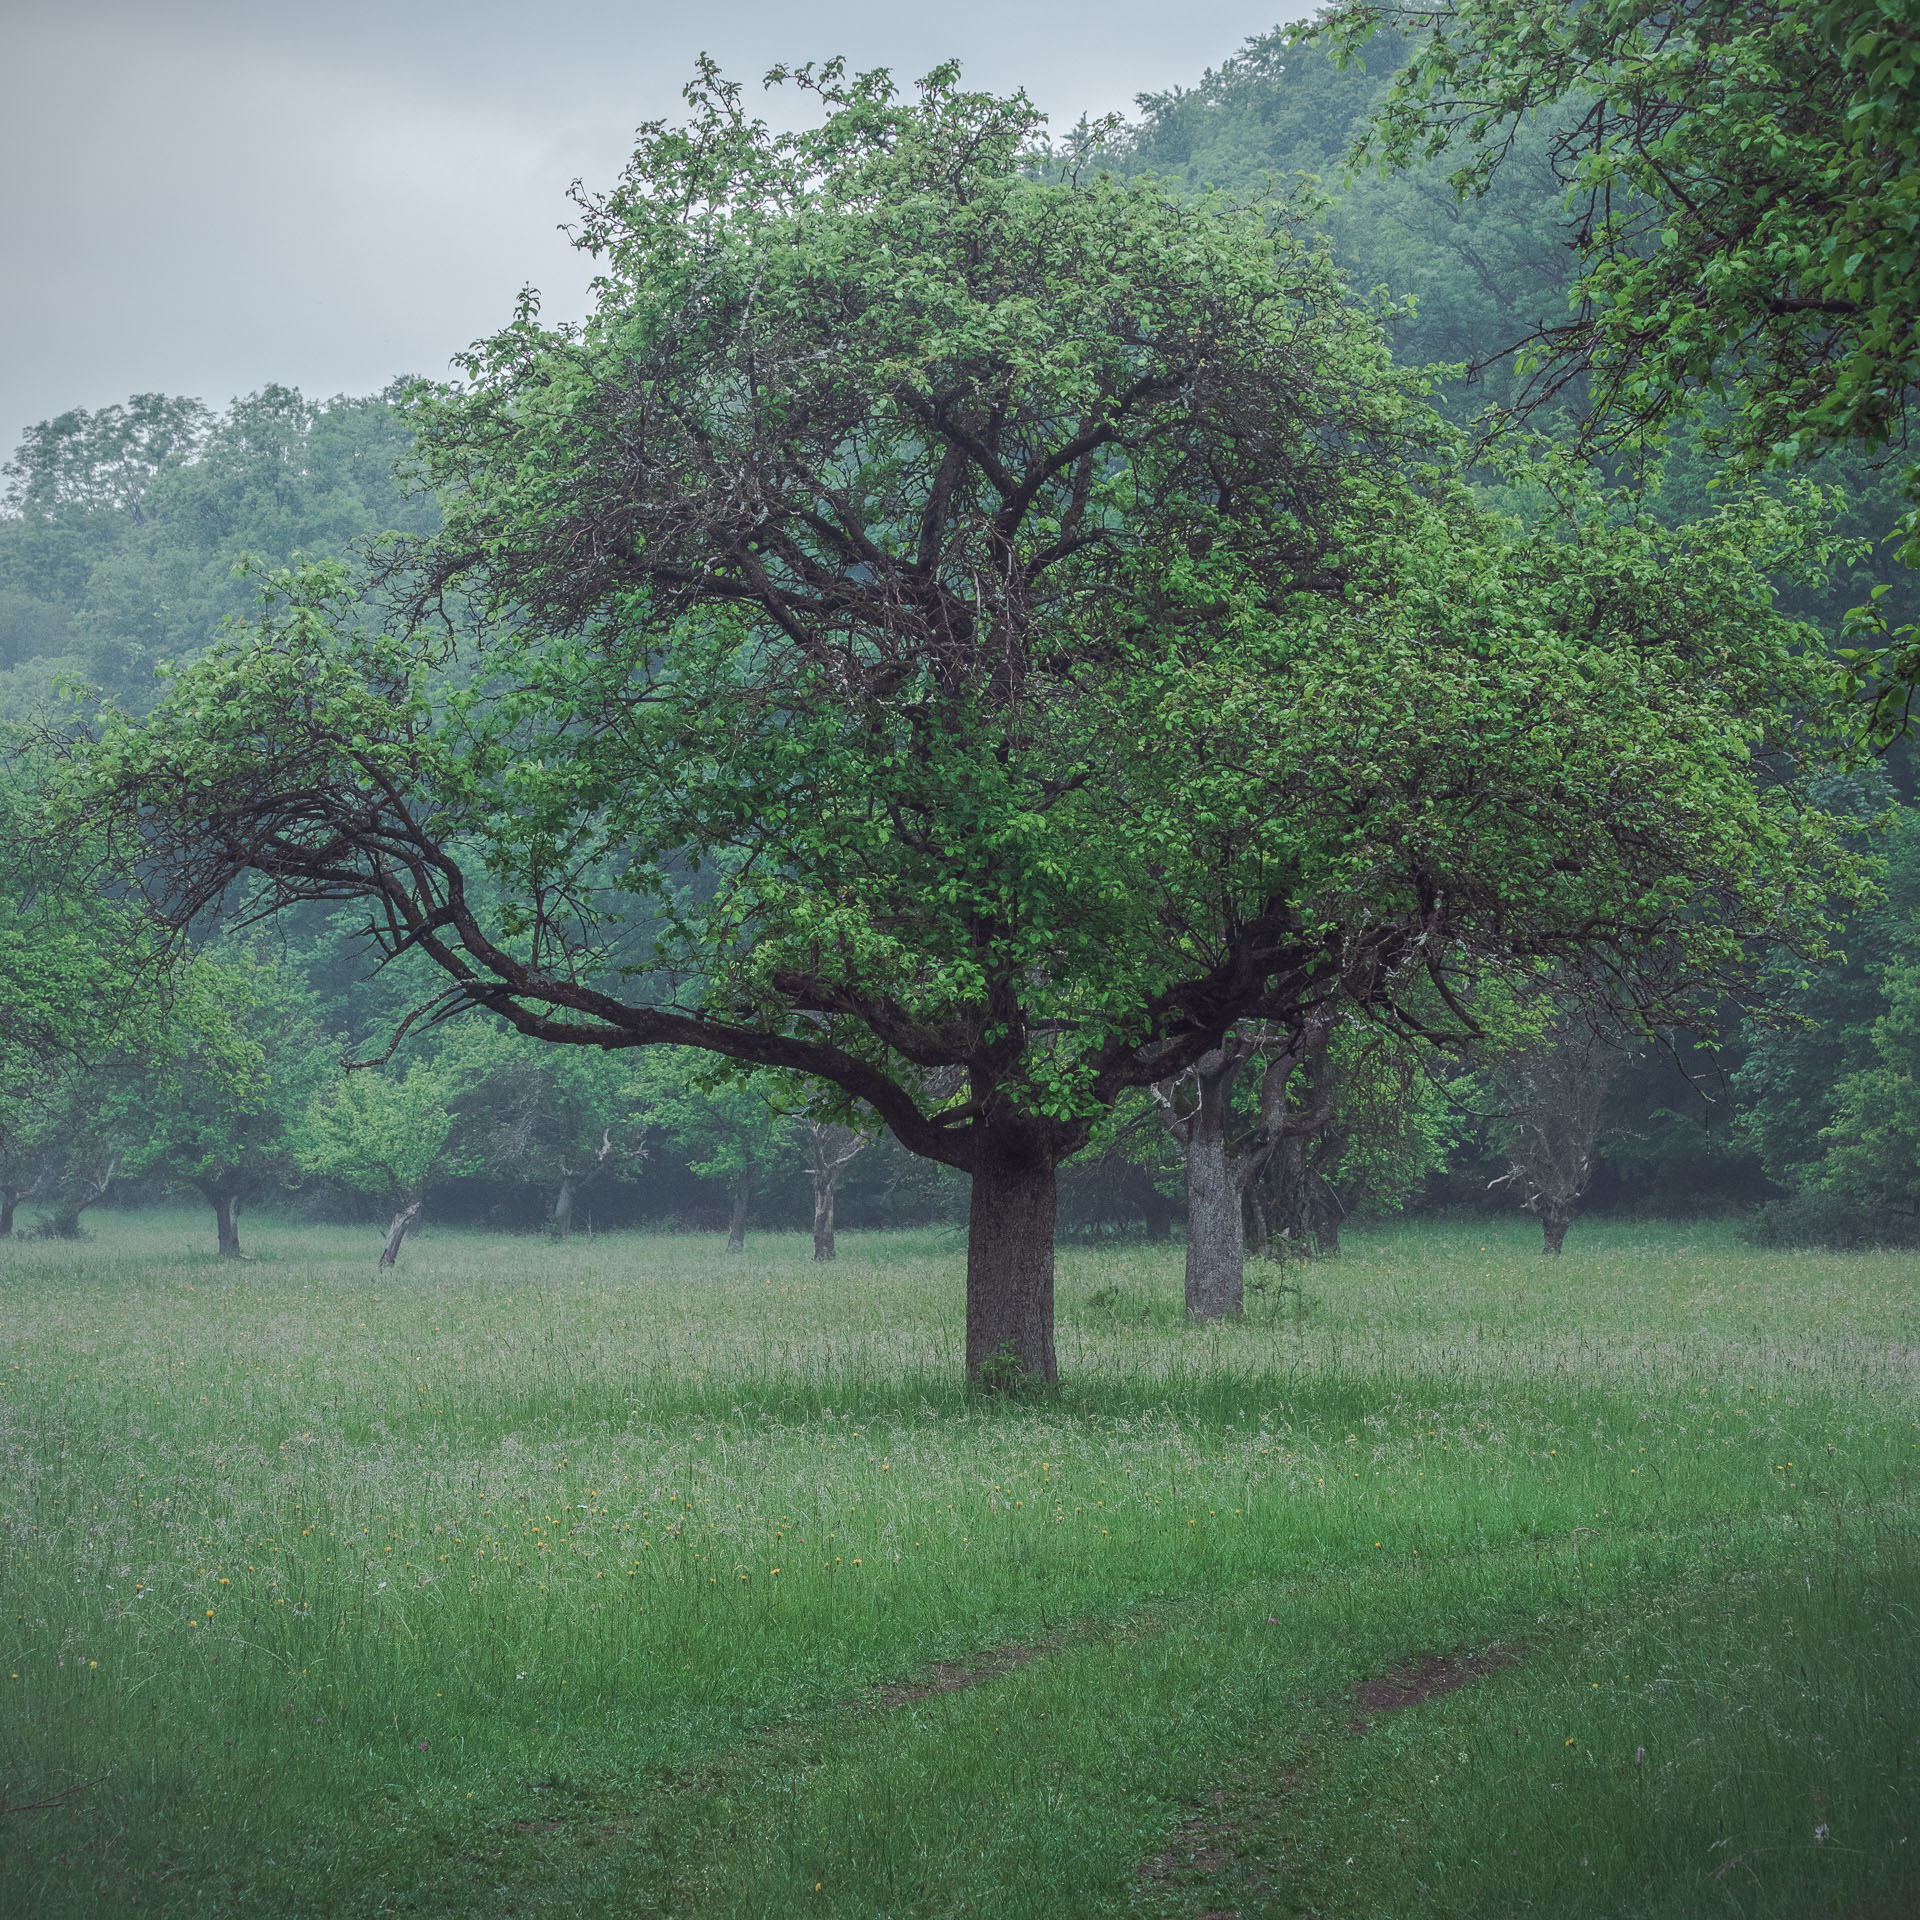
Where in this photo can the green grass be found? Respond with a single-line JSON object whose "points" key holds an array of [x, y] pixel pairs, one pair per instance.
{"points": [[456, 1592]]}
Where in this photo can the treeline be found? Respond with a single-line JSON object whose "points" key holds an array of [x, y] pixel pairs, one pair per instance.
{"points": [[131, 535]]}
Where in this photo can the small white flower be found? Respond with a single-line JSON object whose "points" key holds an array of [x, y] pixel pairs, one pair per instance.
{"points": [[1819, 1833]]}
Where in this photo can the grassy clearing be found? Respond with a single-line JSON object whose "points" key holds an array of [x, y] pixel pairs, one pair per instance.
{"points": [[557, 1580]]}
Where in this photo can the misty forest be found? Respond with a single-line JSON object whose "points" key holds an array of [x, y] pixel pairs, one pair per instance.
{"points": [[1052, 1048]]}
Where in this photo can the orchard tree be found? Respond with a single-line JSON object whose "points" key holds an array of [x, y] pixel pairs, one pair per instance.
{"points": [[1226, 1152], [223, 1104], [1010, 631], [727, 1130], [831, 1149], [384, 1135], [560, 1116], [1553, 1094]]}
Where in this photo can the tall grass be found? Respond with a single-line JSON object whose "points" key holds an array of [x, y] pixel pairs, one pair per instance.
{"points": [[558, 1578]]}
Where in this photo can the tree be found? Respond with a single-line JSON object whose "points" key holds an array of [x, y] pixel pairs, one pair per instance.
{"points": [[222, 1105], [727, 1129], [1381, 1128], [1223, 1164], [831, 1148], [1873, 1146], [1015, 626], [1553, 1094], [126, 534], [1743, 175], [382, 1134], [553, 1115]]}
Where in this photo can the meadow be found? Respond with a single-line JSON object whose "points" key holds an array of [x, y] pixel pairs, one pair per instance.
{"points": [[618, 1577]]}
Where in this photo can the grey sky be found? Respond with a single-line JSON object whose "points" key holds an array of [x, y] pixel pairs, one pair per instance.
{"points": [[204, 196]]}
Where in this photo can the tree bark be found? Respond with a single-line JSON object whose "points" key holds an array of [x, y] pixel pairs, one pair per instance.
{"points": [[1010, 1265], [563, 1208], [742, 1200], [1216, 1225], [1554, 1223], [402, 1223], [226, 1216], [823, 1191]]}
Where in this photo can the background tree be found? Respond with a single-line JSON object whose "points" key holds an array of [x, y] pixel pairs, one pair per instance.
{"points": [[994, 588], [383, 1134], [1552, 1095], [831, 1148], [123, 532], [1373, 1124], [552, 1115], [727, 1129], [1225, 1153], [221, 1109]]}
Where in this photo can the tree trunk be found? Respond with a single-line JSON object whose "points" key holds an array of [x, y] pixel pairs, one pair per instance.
{"points": [[742, 1199], [75, 1200], [226, 1216], [823, 1190], [1010, 1266], [1554, 1222], [563, 1208], [1216, 1228], [8, 1201], [402, 1222]]}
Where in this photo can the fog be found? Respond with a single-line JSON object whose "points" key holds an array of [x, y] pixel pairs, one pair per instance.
{"points": [[205, 197]]}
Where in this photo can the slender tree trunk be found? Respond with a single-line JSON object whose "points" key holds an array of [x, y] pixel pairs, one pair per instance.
{"points": [[226, 1216], [402, 1224], [1216, 1229], [832, 1147], [8, 1201], [823, 1192], [742, 1200], [1554, 1222], [563, 1208], [1010, 1265]]}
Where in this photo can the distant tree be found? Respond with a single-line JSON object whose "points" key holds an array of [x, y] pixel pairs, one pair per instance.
{"points": [[831, 1149], [1382, 1128], [383, 1134], [1225, 1153], [726, 1129], [220, 1108], [1551, 1098], [125, 534], [1041, 621], [85, 1006], [555, 1116]]}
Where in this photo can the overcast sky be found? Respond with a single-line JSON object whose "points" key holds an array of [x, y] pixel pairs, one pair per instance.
{"points": [[205, 195]]}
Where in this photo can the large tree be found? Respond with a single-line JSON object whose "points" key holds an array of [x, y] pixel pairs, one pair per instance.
{"points": [[1010, 630]]}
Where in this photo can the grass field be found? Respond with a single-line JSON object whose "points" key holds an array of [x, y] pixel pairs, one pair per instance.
{"points": [[609, 1579]]}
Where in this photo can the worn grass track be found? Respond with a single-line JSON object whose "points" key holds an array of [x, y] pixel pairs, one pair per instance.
{"points": [[606, 1579]]}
